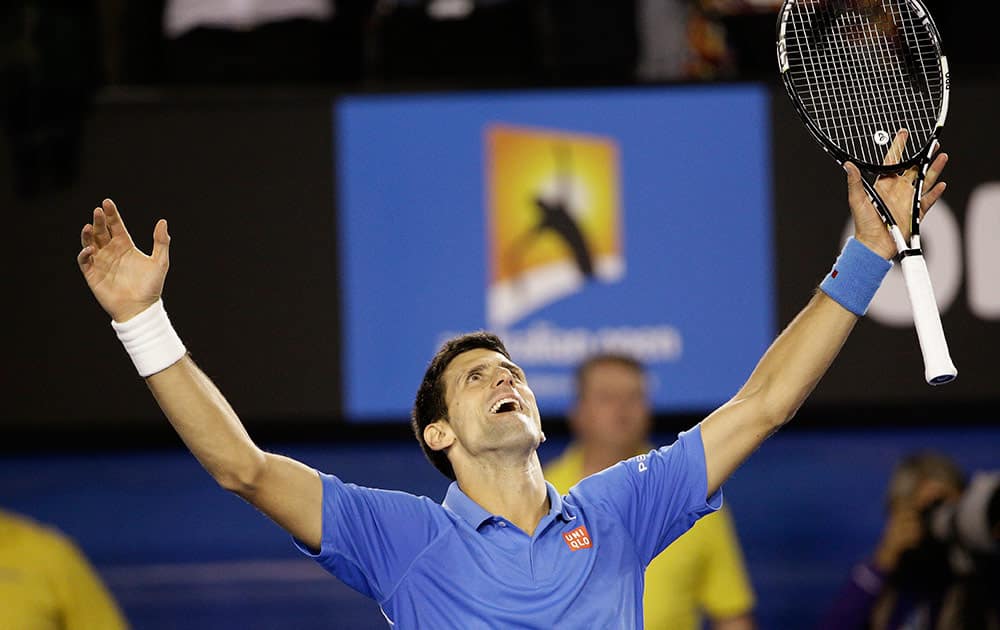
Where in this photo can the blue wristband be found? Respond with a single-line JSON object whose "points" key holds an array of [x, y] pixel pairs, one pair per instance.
{"points": [[855, 277]]}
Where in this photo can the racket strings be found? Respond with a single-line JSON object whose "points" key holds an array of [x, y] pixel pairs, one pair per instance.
{"points": [[874, 65], [862, 69]]}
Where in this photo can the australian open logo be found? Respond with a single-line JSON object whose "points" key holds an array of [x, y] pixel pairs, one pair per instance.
{"points": [[554, 218]]}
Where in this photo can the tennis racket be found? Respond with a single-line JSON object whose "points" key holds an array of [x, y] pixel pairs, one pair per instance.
{"points": [[858, 71]]}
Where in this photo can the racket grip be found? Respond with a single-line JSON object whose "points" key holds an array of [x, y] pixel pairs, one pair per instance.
{"points": [[938, 367]]}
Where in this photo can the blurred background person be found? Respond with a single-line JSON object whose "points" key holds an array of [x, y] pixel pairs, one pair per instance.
{"points": [[681, 40], [921, 574], [46, 583], [702, 573]]}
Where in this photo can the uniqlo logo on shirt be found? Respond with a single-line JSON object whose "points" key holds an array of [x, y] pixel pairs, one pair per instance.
{"points": [[577, 539]]}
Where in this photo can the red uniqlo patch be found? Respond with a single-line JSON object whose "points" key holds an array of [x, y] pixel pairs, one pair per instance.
{"points": [[578, 539], [834, 274]]}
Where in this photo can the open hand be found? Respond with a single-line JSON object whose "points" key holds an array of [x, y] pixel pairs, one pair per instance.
{"points": [[897, 192], [124, 280]]}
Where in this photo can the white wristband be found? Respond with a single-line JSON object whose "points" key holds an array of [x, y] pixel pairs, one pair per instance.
{"points": [[150, 340]]}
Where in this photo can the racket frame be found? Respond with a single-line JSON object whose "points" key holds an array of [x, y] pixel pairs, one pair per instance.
{"points": [[938, 366]]}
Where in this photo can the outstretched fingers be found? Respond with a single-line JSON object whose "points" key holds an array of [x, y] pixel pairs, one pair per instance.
{"points": [[85, 257], [87, 243], [115, 224], [87, 235], [101, 234], [895, 153], [930, 198], [106, 226], [933, 189], [934, 172]]}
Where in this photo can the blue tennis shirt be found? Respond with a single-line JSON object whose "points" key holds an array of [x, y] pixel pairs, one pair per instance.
{"points": [[455, 565]]}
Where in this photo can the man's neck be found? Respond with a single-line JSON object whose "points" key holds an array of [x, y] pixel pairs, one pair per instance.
{"points": [[518, 493], [597, 456]]}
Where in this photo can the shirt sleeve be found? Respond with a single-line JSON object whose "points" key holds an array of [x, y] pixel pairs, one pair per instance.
{"points": [[725, 590], [852, 609], [370, 537], [83, 599], [657, 496]]}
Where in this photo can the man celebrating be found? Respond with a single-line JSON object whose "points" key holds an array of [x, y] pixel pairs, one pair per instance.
{"points": [[504, 550], [702, 573]]}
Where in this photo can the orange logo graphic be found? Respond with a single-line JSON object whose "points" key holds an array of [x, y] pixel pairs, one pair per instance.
{"points": [[578, 539], [554, 218]]}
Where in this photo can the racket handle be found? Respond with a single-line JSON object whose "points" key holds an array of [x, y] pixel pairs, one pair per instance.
{"points": [[938, 367]]}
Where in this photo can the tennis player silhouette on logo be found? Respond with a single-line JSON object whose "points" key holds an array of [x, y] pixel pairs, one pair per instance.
{"points": [[555, 217]]}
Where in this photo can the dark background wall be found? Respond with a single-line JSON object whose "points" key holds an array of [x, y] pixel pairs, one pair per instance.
{"points": [[245, 182]]}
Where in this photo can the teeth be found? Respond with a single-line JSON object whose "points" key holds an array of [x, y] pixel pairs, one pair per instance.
{"points": [[496, 406]]}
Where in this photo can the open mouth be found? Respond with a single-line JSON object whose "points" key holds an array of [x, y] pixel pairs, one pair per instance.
{"points": [[505, 405]]}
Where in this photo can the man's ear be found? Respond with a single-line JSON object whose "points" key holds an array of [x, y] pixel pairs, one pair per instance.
{"points": [[438, 435]]}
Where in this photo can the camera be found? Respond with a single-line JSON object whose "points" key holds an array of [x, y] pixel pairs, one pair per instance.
{"points": [[970, 527]]}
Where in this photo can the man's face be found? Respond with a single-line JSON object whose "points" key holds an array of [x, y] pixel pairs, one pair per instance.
{"points": [[611, 408], [490, 406]]}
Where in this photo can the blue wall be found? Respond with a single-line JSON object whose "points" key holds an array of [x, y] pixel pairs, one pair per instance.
{"points": [[179, 552]]}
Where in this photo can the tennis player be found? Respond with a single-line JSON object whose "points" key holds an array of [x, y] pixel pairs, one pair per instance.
{"points": [[504, 549]]}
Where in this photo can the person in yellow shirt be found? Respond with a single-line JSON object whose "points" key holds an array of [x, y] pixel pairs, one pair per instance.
{"points": [[702, 573], [46, 583]]}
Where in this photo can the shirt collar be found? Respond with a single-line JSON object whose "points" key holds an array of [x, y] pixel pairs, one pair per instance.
{"points": [[459, 503]]}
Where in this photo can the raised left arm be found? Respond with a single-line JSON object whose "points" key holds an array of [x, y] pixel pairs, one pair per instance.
{"points": [[781, 382], [798, 358]]}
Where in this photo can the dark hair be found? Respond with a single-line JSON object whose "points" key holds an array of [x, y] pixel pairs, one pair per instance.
{"points": [[430, 404], [617, 358]]}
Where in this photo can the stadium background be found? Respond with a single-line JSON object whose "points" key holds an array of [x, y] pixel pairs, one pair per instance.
{"points": [[248, 179]]}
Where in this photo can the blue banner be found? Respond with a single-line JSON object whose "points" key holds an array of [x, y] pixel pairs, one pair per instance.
{"points": [[569, 222]]}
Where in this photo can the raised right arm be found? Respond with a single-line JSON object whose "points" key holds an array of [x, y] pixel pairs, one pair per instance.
{"points": [[288, 491], [126, 282]]}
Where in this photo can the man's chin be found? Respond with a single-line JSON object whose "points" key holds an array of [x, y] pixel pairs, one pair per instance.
{"points": [[515, 434]]}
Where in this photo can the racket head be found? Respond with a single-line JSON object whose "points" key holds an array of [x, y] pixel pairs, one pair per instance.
{"points": [[857, 71]]}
